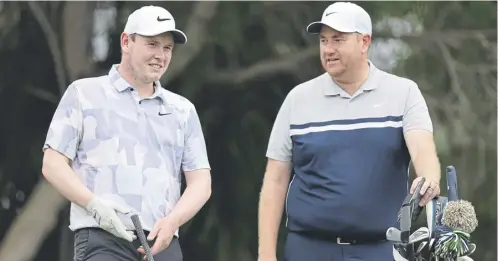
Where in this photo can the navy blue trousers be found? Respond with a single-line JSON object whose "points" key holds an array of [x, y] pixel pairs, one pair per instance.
{"points": [[304, 248]]}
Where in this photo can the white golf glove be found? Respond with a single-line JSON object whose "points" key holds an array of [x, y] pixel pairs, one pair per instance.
{"points": [[105, 214]]}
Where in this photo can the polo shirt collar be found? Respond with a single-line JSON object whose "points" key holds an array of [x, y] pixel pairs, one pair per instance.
{"points": [[330, 88], [122, 85]]}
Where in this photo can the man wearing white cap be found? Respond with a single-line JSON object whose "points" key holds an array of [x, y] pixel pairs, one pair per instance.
{"points": [[117, 145], [340, 149]]}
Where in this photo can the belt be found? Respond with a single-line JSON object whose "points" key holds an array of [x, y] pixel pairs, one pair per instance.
{"points": [[343, 240]]}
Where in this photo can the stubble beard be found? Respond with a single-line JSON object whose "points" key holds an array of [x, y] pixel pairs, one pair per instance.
{"points": [[137, 76]]}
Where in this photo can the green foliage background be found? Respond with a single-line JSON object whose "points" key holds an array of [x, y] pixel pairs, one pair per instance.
{"points": [[249, 56]]}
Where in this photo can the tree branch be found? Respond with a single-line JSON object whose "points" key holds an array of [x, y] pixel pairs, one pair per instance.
{"points": [[446, 36], [292, 62], [10, 16], [452, 71], [53, 44], [42, 94], [197, 33], [476, 68], [285, 63], [38, 218]]}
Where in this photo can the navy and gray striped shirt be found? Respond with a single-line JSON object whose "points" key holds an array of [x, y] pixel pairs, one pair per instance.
{"points": [[349, 158]]}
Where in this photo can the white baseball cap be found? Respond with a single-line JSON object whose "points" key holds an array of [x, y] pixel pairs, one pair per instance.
{"points": [[151, 21], [344, 17]]}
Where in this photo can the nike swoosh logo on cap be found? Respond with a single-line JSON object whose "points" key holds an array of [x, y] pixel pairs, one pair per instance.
{"points": [[162, 19], [330, 13]]}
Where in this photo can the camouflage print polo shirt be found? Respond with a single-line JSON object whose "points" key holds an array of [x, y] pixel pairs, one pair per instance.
{"points": [[127, 149]]}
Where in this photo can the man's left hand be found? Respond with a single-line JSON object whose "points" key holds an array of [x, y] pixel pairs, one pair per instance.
{"points": [[163, 232], [429, 190]]}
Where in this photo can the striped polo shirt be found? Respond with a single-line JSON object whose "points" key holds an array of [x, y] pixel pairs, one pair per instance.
{"points": [[127, 149], [349, 158]]}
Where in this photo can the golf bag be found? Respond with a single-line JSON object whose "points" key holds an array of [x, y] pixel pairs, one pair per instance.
{"points": [[425, 243]]}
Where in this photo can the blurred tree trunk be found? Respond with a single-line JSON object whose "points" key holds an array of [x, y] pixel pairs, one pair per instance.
{"points": [[38, 218], [77, 49], [77, 38], [70, 46]]}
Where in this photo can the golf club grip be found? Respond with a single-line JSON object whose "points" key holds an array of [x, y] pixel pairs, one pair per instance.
{"points": [[416, 193], [452, 183], [416, 199], [141, 236]]}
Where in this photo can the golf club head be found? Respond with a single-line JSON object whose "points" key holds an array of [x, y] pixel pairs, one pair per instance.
{"points": [[393, 234], [421, 247], [419, 235]]}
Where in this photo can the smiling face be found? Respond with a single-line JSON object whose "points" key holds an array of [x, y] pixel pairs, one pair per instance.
{"points": [[342, 52], [147, 58]]}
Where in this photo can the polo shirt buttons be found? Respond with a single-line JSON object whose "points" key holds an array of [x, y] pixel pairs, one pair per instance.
{"points": [[140, 110]]}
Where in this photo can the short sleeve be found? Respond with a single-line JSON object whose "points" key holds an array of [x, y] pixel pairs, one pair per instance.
{"points": [[416, 115], [280, 145], [194, 153], [65, 129]]}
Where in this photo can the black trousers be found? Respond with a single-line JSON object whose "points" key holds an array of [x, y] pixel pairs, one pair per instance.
{"points": [[299, 247], [94, 244]]}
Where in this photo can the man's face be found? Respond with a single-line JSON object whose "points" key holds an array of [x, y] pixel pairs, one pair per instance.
{"points": [[148, 56], [341, 51]]}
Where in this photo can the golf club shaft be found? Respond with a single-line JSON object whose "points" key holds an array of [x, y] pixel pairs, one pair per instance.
{"points": [[141, 235]]}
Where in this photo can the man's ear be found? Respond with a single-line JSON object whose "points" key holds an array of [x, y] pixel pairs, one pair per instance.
{"points": [[366, 40], [125, 41]]}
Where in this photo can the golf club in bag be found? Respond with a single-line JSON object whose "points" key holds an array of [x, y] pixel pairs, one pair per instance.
{"points": [[404, 241], [447, 235]]}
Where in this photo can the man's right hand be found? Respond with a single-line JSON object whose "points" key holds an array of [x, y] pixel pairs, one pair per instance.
{"points": [[105, 212]]}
